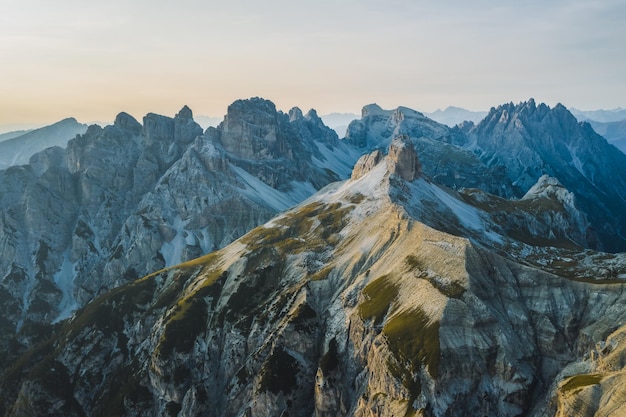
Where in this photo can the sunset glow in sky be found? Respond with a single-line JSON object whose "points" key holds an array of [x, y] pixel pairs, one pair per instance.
{"points": [[92, 60]]}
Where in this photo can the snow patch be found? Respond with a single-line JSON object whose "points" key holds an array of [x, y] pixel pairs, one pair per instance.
{"points": [[64, 280], [576, 160], [261, 193], [173, 250], [341, 159], [206, 240], [467, 214], [30, 287], [371, 184]]}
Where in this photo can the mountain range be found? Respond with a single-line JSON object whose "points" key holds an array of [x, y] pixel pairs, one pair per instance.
{"points": [[608, 123], [611, 124], [16, 148], [451, 117], [601, 116], [614, 132], [267, 267]]}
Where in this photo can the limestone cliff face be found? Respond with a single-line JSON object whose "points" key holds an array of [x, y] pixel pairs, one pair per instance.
{"points": [[276, 147], [251, 130], [346, 305]]}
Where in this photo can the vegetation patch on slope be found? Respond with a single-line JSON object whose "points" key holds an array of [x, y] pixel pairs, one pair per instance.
{"points": [[379, 295], [188, 319], [108, 311], [310, 228], [414, 340], [578, 382]]}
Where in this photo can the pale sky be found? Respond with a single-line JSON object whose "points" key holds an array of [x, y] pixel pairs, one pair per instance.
{"points": [[92, 60]]}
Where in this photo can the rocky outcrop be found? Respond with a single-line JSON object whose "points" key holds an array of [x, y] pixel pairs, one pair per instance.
{"points": [[547, 215], [549, 191], [595, 386], [127, 123], [402, 159], [275, 147], [366, 163]]}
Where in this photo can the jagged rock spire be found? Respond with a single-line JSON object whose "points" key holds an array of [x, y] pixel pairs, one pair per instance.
{"points": [[184, 114]]}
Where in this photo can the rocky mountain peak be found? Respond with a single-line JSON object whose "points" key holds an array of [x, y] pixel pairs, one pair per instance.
{"points": [[295, 113], [377, 127], [529, 140], [521, 114], [184, 114], [312, 115], [181, 128], [250, 108], [551, 188], [561, 113], [127, 122], [401, 113], [42, 161], [17, 149], [66, 121], [372, 110], [402, 159], [251, 130]]}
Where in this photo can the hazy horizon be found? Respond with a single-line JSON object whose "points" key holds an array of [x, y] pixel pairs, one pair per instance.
{"points": [[203, 119], [92, 61]]}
